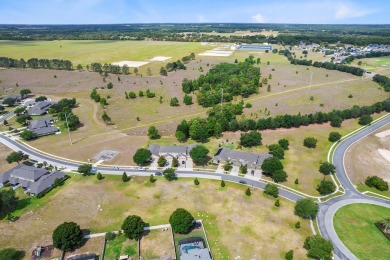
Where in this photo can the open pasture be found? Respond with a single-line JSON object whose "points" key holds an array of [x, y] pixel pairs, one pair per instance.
{"points": [[237, 225], [88, 51], [379, 65]]}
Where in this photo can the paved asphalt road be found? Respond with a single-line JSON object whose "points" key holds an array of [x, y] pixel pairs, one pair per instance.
{"points": [[327, 209]]}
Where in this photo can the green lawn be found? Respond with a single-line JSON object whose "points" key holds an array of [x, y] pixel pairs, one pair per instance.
{"points": [[88, 51], [120, 246], [355, 226]]}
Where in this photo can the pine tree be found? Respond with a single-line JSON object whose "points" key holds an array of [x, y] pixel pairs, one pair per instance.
{"points": [[196, 182], [277, 203], [223, 183], [248, 192]]}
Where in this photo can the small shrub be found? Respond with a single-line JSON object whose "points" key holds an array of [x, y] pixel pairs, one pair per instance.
{"points": [[377, 182], [196, 181], [277, 203], [298, 225], [334, 136], [248, 192], [310, 142], [289, 255]]}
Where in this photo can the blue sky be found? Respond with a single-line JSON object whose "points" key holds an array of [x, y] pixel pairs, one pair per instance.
{"points": [[189, 11]]}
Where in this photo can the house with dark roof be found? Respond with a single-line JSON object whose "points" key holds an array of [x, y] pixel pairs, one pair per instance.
{"points": [[33, 180], [239, 158], [17, 98], [42, 126], [181, 152], [39, 109]]}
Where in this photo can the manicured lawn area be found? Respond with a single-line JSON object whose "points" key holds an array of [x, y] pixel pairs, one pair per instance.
{"points": [[355, 226], [121, 246]]}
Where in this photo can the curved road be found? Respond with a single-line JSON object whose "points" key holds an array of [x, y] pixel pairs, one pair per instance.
{"points": [[327, 209]]}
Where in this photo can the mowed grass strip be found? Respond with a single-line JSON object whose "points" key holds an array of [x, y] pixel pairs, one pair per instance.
{"points": [[355, 225]]}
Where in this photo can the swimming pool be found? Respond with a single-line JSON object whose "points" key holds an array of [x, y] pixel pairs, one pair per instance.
{"points": [[188, 248]]}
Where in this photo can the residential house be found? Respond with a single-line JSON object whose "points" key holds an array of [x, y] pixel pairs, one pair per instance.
{"points": [[239, 158], [17, 98], [42, 126], [33, 180], [39, 109], [182, 153]]}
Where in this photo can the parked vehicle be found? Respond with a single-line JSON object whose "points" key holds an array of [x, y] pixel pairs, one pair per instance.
{"points": [[158, 174], [242, 182]]}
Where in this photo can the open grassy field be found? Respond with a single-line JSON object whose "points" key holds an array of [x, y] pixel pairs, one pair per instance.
{"points": [[355, 226], [236, 225], [88, 51], [379, 65], [363, 159]]}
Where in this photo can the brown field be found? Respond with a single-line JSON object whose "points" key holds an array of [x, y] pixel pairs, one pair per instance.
{"points": [[4, 152], [363, 159], [157, 244], [235, 224]]}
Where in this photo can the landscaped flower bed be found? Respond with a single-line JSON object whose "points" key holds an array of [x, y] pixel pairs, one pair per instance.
{"points": [[382, 229]]}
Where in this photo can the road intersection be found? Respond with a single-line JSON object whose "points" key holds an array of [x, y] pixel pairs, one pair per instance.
{"points": [[327, 209]]}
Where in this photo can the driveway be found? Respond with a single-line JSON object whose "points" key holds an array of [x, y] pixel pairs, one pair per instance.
{"points": [[153, 165], [235, 170]]}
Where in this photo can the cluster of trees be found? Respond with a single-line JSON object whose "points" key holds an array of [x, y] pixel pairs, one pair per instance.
{"points": [[176, 65], [35, 63], [200, 129], [223, 118], [8, 201], [108, 68], [377, 182], [384, 81], [95, 96], [273, 167], [231, 79], [64, 112], [330, 66]]}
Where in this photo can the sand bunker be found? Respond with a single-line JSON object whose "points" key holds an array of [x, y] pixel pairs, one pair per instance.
{"points": [[385, 154], [130, 63], [383, 134], [160, 58], [216, 53]]}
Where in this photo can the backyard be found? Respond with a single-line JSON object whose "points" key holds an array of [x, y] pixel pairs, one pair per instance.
{"points": [[236, 224]]}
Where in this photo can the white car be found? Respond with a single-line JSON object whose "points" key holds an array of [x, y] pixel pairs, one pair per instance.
{"points": [[142, 168]]}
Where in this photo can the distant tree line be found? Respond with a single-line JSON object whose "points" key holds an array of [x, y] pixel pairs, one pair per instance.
{"points": [[290, 34], [373, 54], [330, 66], [35, 63], [229, 79]]}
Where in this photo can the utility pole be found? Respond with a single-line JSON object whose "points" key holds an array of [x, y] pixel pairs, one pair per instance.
{"points": [[67, 124]]}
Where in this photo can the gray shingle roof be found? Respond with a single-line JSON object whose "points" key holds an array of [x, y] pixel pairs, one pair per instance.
{"points": [[45, 182], [34, 179], [42, 126], [240, 157], [170, 149], [40, 108], [173, 149], [28, 173]]}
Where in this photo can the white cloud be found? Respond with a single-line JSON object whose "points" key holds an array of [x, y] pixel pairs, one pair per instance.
{"points": [[344, 11], [258, 18]]}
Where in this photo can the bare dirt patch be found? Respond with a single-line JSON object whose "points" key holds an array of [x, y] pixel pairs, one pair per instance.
{"points": [[157, 244], [363, 159], [130, 63]]}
